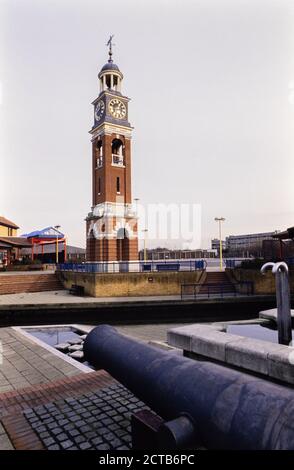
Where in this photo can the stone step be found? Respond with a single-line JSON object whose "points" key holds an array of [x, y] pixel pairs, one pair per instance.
{"points": [[216, 282]]}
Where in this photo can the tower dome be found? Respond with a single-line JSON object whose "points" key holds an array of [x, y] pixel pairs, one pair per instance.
{"points": [[109, 66]]}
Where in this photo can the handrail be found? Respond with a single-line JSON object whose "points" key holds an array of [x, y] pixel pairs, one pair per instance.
{"points": [[207, 289]]}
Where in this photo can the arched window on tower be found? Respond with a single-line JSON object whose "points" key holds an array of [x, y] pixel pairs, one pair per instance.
{"points": [[99, 154], [117, 152]]}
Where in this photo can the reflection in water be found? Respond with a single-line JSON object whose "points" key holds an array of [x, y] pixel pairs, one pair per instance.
{"points": [[256, 331], [57, 335], [53, 336]]}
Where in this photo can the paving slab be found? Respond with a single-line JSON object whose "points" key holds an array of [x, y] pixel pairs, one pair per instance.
{"points": [[275, 361], [64, 297], [271, 314], [25, 363], [251, 354]]}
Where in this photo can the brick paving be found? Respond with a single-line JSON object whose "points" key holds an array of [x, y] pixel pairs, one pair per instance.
{"points": [[16, 432], [5, 443], [21, 435], [32, 377], [14, 402]]}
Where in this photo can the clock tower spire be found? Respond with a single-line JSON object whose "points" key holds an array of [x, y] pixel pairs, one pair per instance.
{"points": [[112, 222]]}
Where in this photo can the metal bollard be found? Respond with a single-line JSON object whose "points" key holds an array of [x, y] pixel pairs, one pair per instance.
{"points": [[284, 320]]}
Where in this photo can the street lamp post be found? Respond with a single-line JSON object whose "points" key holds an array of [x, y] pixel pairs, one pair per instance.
{"points": [[220, 220], [57, 227], [145, 250]]}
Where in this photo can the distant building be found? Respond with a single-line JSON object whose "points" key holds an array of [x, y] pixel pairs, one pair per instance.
{"points": [[247, 245], [215, 244], [10, 243], [280, 247], [7, 228], [160, 254]]}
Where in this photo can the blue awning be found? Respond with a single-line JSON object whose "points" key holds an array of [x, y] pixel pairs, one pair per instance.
{"points": [[48, 232]]}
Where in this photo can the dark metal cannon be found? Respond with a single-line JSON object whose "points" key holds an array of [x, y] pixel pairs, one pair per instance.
{"points": [[204, 403]]}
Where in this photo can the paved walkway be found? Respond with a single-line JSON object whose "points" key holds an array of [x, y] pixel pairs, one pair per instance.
{"points": [[5, 443], [26, 273], [100, 420], [31, 376], [150, 333], [63, 297], [43, 403], [24, 363]]}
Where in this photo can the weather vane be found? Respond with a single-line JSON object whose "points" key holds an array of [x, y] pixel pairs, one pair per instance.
{"points": [[110, 44]]}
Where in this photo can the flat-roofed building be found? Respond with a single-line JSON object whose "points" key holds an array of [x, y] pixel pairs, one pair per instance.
{"points": [[247, 245], [158, 254], [215, 245]]}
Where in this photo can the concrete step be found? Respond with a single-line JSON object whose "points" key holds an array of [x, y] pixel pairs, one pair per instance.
{"points": [[216, 282]]}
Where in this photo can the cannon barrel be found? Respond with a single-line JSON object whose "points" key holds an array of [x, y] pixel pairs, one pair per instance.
{"points": [[229, 409]]}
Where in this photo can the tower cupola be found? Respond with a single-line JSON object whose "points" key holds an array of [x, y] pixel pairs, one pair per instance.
{"points": [[110, 76]]}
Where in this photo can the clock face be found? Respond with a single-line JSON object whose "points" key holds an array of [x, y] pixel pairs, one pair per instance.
{"points": [[99, 110], [117, 109]]}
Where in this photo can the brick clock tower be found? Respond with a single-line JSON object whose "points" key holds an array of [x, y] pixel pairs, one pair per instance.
{"points": [[112, 230]]}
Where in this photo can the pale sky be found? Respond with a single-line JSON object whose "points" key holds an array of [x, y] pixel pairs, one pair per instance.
{"points": [[211, 84]]}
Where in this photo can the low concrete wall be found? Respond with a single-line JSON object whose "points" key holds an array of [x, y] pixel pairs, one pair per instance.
{"points": [[130, 284], [263, 283]]}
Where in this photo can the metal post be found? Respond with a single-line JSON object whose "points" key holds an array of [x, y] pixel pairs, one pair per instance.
{"points": [[284, 308], [220, 246], [56, 249], [220, 220], [57, 227], [145, 249], [284, 319]]}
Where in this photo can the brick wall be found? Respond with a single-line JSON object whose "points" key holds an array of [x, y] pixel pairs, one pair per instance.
{"points": [[109, 173], [130, 284], [263, 283]]}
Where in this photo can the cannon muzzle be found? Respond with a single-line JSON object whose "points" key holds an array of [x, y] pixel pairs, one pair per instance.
{"points": [[228, 409]]}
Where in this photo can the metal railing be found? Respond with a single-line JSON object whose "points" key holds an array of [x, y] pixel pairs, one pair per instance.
{"points": [[133, 266], [234, 263], [289, 261], [210, 290]]}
